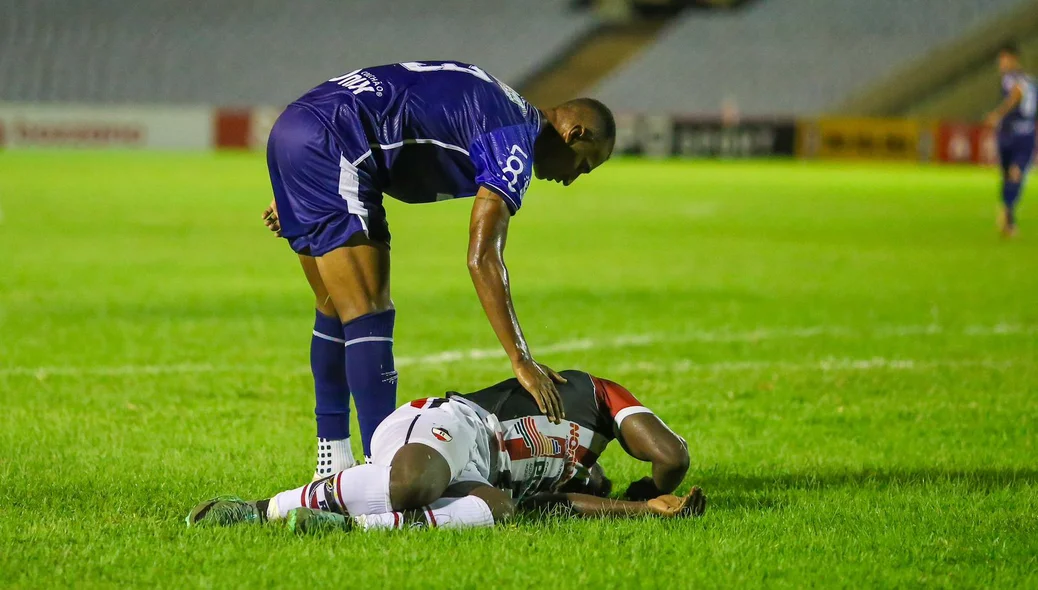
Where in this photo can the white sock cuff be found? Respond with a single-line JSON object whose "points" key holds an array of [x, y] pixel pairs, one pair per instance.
{"points": [[333, 456]]}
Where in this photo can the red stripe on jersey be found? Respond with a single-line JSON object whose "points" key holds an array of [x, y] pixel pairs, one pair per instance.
{"points": [[517, 449], [419, 403], [613, 396]]}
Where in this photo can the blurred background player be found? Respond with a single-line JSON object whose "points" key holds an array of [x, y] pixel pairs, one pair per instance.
{"points": [[1014, 120], [420, 132], [470, 460]]}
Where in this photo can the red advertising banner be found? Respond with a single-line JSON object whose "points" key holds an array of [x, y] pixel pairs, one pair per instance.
{"points": [[966, 143]]}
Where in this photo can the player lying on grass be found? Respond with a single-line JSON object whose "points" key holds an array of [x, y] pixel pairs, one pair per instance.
{"points": [[471, 460], [420, 132]]}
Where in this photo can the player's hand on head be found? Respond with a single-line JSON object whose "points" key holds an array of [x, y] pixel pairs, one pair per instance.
{"points": [[270, 218], [540, 381], [670, 506]]}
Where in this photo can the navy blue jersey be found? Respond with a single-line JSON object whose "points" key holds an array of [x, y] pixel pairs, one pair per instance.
{"points": [[436, 130], [1020, 120]]}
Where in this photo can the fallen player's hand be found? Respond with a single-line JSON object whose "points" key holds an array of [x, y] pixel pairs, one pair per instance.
{"points": [[669, 506], [270, 219], [642, 490], [540, 381]]}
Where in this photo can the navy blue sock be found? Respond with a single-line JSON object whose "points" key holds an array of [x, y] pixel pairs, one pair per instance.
{"points": [[370, 370], [328, 365], [1010, 195]]}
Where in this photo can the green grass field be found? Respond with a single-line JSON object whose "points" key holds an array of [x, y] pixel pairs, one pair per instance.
{"points": [[850, 351]]}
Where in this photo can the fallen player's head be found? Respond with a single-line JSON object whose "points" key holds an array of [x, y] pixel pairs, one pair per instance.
{"points": [[578, 139]]}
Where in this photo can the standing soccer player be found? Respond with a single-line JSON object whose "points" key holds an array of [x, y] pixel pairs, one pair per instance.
{"points": [[419, 132], [1015, 121]]}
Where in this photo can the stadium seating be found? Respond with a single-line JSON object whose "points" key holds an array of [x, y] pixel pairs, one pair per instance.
{"points": [[786, 56], [257, 51]]}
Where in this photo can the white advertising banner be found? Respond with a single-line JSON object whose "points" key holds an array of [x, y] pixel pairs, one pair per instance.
{"points": [[105, 127]]}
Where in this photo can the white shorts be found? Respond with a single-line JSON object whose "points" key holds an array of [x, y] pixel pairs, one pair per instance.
{"points": [[452, 429]]}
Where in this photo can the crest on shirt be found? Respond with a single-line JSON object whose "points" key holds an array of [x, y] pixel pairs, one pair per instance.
{"points": [[514, 97], [441, 434]]}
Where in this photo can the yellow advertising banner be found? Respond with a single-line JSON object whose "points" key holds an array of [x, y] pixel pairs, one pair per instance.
{"points": [[863, 139]]}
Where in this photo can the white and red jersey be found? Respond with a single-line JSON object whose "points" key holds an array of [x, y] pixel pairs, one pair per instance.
{"points": [[535, 455]]}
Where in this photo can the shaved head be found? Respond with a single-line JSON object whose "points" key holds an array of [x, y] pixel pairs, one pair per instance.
{"points": [[595, 116], [580, 138]]}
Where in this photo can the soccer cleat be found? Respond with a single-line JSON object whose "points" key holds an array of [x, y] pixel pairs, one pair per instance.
{"points": [[307, 521], [224, 511]]}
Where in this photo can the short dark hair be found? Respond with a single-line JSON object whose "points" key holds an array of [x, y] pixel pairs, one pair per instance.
{"points": [[605, 123], [1012, 48]]}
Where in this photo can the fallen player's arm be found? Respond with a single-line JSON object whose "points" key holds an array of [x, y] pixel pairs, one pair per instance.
{"points": [[594, 507], [1014, 98], [488, 232], [646, 438]]}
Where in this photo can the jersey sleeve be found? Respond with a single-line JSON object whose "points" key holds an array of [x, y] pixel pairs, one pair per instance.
{"points": [[504, 162], [617, 401]]}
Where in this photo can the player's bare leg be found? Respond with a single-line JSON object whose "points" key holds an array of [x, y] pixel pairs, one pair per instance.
{"points": [[331, 388], [1011, 185], [356, 280]]}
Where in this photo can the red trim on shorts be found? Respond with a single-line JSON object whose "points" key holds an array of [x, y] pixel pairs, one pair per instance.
{"points": [[302, 496], [432, 518], [396, 520]]}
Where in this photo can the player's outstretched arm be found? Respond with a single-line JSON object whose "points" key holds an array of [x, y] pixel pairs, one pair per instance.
{"points": [[488, 231], [646, 438], [667, 506]]}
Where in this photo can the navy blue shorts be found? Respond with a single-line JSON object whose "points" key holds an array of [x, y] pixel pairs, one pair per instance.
{"points": [[1016, 149], [323, 185]]}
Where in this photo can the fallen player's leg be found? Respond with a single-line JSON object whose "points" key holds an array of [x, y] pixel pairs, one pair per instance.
{"points": [[481, 506], [419, 455], [372, 497]]}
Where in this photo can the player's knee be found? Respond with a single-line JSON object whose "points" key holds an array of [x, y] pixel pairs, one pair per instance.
{"points": [[418, 476], [1014, 173], [502, 511], [500, 504], [324, 305]]}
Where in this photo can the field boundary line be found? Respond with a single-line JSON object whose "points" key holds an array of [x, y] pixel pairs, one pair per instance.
{"points": [[822, 365], [679, 366], [577, 345]]}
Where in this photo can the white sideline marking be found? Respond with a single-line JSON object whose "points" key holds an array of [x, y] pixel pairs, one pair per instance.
{"points": [[824, 365], [627, 341]]}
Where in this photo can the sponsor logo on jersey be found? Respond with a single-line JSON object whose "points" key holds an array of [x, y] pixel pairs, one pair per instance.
{"points": [[539, 445], [441, 434], [359, 82]]}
